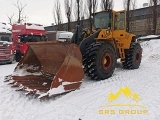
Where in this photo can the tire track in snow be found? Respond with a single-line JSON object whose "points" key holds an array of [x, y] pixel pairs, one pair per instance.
{"points": [[84, 102]]}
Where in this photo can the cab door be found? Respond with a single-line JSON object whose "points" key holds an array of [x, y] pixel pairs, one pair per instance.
{"points": [[119, 29], [119, 19]]}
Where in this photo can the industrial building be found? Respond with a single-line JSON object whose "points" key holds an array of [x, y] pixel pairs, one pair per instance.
{"points": [[141, 22]]}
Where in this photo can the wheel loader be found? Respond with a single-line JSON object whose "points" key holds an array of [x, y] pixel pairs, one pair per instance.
{"points": [[52, 68]]}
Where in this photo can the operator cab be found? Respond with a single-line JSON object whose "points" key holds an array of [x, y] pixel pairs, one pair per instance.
{"points": [[103, 20]]}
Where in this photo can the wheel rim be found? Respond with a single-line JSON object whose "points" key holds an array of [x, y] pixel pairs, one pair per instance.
{"points": [[106, 61]]}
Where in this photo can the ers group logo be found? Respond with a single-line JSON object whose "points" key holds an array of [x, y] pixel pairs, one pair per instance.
{"points": [[124, 101]]}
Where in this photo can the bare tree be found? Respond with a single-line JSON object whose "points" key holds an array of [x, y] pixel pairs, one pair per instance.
{"points": [[106, 4], [75, 10], [127, 7], [20, 8], [91, 6], [133, 4], [95, 5], [10, 18], [155, 2], [68, 8], [153, 14], [57, 14], [79, 11], [149, 18], [132, 24], [86, 12], [125, 4], [127, 14]]}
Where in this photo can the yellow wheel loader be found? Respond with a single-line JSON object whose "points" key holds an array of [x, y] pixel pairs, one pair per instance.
{"points": [[51, 68]]}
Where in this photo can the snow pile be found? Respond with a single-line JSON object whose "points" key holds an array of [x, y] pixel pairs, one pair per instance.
{"points": [[34, 27], [60, 89], [85, 103], [149, 37], [5, 27], [23, 70]]}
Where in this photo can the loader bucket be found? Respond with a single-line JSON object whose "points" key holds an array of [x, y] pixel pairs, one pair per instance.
{"points": [[49, 68]]}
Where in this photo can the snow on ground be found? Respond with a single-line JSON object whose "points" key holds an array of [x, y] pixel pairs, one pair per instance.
{"points": [[149, 36], [85, 103]]}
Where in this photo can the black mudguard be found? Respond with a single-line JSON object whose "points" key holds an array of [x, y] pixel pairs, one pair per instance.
{"points": [[87, 41]]}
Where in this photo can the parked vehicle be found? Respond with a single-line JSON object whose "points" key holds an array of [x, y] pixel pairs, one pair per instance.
{"points": [[23, 33], [59, 35], [6, 46]]}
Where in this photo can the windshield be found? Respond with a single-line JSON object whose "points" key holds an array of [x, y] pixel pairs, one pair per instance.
{"points": [[32, 38], [103, 20], [5, 38]]}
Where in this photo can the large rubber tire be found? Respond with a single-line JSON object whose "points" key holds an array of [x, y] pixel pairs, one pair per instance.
{"points": [[99, 60], [133, 57]]}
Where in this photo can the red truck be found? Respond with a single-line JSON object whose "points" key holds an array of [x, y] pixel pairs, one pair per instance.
{"points": [[6, 46], [23, 33]]}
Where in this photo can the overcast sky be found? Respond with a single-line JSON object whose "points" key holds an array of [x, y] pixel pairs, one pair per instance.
{"points": [[40, 11]]}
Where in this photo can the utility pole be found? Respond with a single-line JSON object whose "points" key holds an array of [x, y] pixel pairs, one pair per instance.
{"points": [[94, 5], [78, 13], [127, 15], [155, 2]]}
